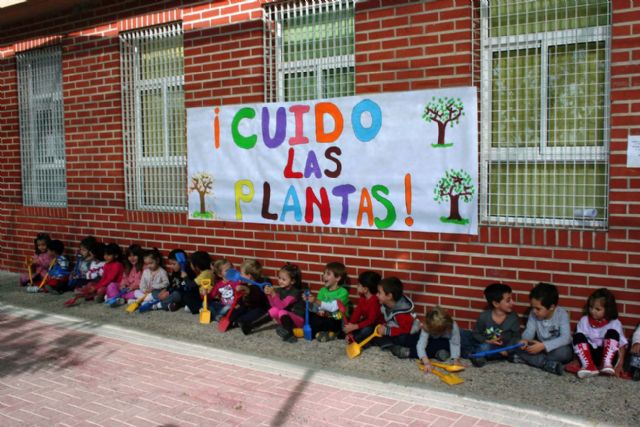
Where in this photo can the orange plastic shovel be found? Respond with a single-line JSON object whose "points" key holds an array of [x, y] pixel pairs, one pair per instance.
{"points": [[354, 349], [205, 314]]}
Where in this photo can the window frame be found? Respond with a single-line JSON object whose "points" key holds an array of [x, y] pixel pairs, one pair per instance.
{"points": [[544, 41]]}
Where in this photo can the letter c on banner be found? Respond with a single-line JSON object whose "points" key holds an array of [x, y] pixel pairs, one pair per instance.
{"points": [[362, 133], [246, 142]]}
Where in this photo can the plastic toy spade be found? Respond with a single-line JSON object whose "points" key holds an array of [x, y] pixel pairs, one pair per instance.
{"points": [[306, 329], [205, 314], [447, 378], [496, 350], [225, 322], [354, 349], [134, 305], [182, 260], [234, 276]]}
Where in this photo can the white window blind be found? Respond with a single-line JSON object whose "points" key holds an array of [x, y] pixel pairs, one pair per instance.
{"points": [[545, 112], [309, 50], [42, 127], [152, 64]]}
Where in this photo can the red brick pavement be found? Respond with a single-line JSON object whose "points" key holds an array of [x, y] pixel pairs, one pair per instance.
{"points": [[51, 375]]}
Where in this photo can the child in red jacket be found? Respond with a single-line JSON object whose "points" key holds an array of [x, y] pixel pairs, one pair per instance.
{"points": [[367, 313], [401, 328]]}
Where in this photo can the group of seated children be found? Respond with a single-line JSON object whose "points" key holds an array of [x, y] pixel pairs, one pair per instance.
{"points": [[382, 312]]}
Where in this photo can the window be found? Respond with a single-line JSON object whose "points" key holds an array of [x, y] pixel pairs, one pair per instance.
{"points": [[309, 50], [44, 180], [545, 112], [154, 118]]}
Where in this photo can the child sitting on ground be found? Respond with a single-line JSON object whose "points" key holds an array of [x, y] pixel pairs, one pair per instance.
{"points": [[367, 314], [496, 327], [39, 263], [633, 364], [400, 330], [253, 305], [547, 336], [78, 276], [182, 289], [112, 272], [439, 339], [133, 263], [223, 291], [154, 279], [94, 274], [599, 339], [287, 308], [325, 316], [58, 275]]}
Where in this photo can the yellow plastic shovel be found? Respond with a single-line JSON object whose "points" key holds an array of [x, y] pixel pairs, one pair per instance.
{"points": [[446, 366], [134, 306], [354, 349], [205, 314], [449, 379]]}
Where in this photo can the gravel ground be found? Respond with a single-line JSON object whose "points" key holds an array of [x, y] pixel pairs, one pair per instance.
{"points": [[596, 400]]}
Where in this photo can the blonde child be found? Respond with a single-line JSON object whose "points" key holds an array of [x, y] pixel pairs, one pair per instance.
{"points": [[599, 340], [222, 293], [154, 278], [40, 261], [252, 308], [367, 313], [287, 307], [439, 339], [325, 316]]}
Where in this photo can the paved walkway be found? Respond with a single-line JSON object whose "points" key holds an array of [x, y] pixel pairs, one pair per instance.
{"points": [[62, 371]]}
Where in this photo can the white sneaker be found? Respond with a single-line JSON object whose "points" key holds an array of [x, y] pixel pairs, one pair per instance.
{"points": [[187, 309], [586, 373], [33, 289], [608, 370]]}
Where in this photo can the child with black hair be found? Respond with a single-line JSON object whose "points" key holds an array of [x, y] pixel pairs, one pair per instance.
{"points": [[193, 282], [287, 307], [94, 274], [325, 316], [439, 338], [400, 329], [182, 290], [39, 263], [253, 306], [58, 275], [496, 327], [112, 271], [599, 341], [133, 264], [547, 336], [78, 276], [367, 313]]}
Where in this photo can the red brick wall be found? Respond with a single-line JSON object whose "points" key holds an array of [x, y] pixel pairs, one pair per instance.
{"points": [[400, 45]]}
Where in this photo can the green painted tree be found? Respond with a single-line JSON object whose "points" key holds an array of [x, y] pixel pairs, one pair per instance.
{"points": [[453, 186], [202, 183], [445, 112]]}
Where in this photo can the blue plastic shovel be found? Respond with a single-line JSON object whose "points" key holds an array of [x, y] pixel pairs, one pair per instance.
{"points": [[496, 350], [306, 329], [182, 260], [234, 276]]}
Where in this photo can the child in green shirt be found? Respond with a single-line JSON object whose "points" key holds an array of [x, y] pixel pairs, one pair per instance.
{"points": [[325, 316]]}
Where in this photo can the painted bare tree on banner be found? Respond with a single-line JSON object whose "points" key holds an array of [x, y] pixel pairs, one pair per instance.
{"points": [[445, 112], [454, 186], [202, 183]]}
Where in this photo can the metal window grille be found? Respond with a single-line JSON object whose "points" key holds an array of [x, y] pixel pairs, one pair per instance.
{"points": [[152, 64], [545, 112], [44, 181], [309, 50]]}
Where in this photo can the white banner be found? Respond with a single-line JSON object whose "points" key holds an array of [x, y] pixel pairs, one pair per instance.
{"points": [[398, 161]]}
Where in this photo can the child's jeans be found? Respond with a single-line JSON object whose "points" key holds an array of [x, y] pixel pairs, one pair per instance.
{"points": [[405, 340], [277, 313], [360, 334], [562, 354]]}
